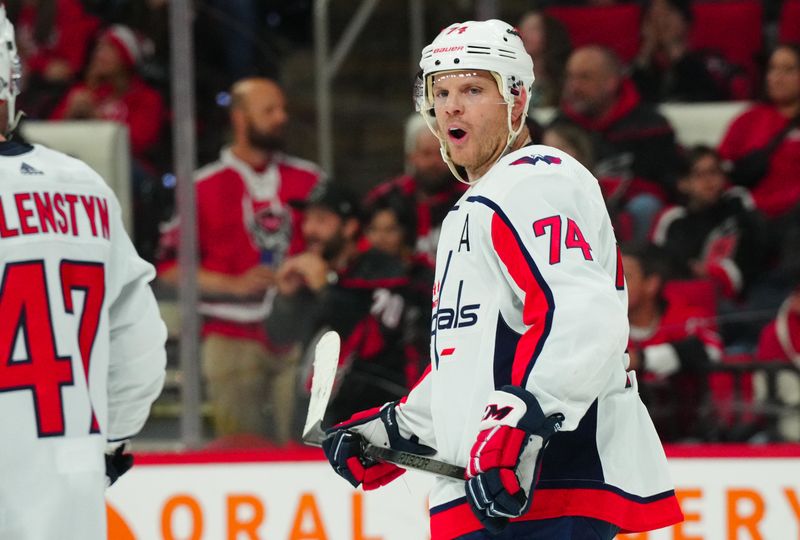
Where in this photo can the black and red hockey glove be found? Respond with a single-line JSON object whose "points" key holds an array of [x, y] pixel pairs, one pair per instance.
{"points": [[345, 442], [504, 461]]}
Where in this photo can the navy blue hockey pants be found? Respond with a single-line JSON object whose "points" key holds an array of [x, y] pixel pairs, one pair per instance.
{"points": [[564, 528]]}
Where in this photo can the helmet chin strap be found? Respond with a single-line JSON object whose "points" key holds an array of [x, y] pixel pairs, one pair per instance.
{"points": [[12, 125]]}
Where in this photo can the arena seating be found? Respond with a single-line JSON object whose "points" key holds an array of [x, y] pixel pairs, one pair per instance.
{"points": [[789, 25], [694, 123], [104, 146], [616, 27], [734, 28]]}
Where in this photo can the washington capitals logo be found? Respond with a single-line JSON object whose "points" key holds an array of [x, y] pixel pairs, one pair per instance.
{"points": [[536, 158]]}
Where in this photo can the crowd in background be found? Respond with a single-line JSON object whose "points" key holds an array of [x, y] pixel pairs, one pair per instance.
{"points": [[710, 237]]}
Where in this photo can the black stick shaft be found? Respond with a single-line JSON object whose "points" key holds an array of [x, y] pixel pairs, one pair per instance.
{"points": [[414, 461]]}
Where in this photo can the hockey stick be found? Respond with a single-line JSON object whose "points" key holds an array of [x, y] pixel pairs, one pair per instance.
{"points": [[326, 360]]}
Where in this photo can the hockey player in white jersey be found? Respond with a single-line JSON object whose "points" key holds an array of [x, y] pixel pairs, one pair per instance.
{"points": [[528, 385], [81, 340]]}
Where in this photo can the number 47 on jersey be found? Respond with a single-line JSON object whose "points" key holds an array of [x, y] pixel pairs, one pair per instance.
{"points": [[26, 313]]}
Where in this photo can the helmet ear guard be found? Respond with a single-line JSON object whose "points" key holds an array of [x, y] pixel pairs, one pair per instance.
{"points": [[10, 70], [420, 97]]}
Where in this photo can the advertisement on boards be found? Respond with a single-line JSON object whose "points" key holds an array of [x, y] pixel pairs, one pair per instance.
{"points": [[725, 495]]}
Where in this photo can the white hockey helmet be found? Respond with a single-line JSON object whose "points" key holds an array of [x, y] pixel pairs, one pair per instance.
{"points": [[10, 69], [493, 46]]}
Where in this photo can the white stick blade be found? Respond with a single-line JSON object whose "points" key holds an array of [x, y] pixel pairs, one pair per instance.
{"points": [[326, 361]]}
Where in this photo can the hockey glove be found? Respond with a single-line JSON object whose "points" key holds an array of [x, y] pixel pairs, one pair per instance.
{"points": [[345, 442], [117, 462], [504, 461]]}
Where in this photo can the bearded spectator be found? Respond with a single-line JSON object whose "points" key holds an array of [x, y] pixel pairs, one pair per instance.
{"points": [[245, 230]]}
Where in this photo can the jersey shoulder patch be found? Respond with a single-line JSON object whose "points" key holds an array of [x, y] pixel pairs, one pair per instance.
{"points": [[536, 159]]}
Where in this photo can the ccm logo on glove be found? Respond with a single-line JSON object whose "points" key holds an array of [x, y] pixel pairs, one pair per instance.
{"points": [[498, 413]]}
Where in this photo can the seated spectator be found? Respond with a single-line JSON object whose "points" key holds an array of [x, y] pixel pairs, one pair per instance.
{"points": [[633, 145], [772, 286], [360, 294], [666, 69], [780, 341], [53, 38], [671, 343], [547, 41], [717, 233], [112, 90], [428, 185], [150, 20], [763, 143], [388, 227]]}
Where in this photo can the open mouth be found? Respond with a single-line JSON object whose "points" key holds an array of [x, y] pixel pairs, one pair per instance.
{"points": [[457, 133]]}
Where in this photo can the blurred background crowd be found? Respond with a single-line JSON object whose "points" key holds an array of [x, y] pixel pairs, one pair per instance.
{"points": [[710, 233]]}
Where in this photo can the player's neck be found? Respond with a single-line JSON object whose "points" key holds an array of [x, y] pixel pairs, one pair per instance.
{"points": [[522, 139]]}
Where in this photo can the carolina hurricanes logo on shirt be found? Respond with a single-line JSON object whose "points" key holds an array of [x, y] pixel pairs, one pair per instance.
{"points": [[536, 158], [271, 228]]}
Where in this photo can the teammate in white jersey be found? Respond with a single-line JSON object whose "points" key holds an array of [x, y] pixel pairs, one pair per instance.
{"points": [[528, 386], [81, 340]]}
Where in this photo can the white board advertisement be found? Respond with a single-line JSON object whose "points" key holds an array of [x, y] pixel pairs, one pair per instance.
{"points": [[725, 495]]}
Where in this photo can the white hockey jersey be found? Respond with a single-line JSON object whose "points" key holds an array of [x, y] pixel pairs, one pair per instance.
{"points": [[81, 343], [530, 291]]}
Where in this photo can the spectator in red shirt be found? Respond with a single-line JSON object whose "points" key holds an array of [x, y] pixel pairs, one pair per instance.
{"points": [[53, 37], [633, 145], [670, 344], [112, 90], [763, 143], [245, 229]]}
